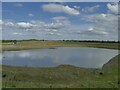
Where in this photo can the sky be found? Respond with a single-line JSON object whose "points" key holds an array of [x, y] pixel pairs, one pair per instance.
{"points": [[60, 20]]}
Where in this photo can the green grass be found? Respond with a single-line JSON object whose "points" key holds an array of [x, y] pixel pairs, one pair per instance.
{"points": [[22, 45]]}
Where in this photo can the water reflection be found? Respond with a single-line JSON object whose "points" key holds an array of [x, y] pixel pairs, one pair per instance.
{"points": [[83, 57]]}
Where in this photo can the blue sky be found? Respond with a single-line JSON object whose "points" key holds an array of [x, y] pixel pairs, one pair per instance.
{"points": [[58, 21], [19, 13]]}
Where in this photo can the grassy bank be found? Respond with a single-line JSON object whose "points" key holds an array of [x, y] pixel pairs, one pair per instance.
{"points": [[63, 76], [35, 44]]}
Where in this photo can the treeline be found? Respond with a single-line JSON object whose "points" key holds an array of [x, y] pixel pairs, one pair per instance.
{"points": [[8, 41], [96, 41], [92, 41]]}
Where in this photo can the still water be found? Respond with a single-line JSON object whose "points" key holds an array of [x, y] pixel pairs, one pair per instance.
{"points": [[77, 56]]}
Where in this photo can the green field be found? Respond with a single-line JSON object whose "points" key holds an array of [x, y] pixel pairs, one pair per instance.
{"points": [[35, 44], [63, 76]]}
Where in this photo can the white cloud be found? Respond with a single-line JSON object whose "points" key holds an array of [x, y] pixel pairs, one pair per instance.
{"points": [[1, 22], [92, 30], [60, 18], [15, 33], [1, 25], [70, 11], [11, 24], [108, 19], [25, 24], [54, 30], [30, 15], [18, 5], [76, 7], [53, 7], [113, 7], [91, 9], [104, 15], [102, 24], [52, 33], [58, 8], [56, 23]]}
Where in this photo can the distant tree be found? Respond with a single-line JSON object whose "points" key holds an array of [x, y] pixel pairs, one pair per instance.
{"points": [[43, 40], [15, 41]]}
